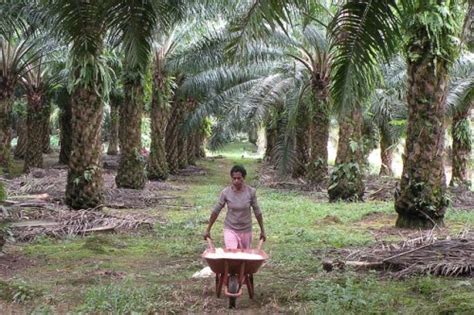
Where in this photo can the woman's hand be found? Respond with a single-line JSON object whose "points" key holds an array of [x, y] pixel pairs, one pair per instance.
{"points": [[263, 236]]}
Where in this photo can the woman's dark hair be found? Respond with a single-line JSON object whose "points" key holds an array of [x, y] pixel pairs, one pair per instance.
{"points": [[240, 169]]}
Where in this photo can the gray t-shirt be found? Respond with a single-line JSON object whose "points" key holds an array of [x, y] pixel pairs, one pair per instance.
{"points": [[239, 216]]}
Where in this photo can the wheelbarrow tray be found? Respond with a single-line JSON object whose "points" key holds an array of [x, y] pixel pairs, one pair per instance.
{"points": [[217, 263]]}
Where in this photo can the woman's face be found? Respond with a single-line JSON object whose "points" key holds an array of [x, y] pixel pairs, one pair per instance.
{"points": [[237, 180]]}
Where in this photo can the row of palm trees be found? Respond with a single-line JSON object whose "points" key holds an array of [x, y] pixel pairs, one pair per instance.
{"points": [[362, 35], [289, 74]]}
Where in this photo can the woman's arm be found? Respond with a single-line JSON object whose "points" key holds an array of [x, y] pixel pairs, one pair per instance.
{"points": [[259, 218], [215, 213], [212, 219]]}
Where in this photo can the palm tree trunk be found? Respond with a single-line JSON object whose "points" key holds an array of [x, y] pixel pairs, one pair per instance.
{"points": [[386, 152], [185, 138], [462, 144], [271, 135], [253, 135], [192, 150], [45, 127], [64, 102], [301, 146], [346, 182], [421, 201], [182, 149], [35, 142], [131, 172], [157, 168], [199, 144], [172, 135], [21, 143], [84, 182], [5, 123], [114, 127], [319, 133]]}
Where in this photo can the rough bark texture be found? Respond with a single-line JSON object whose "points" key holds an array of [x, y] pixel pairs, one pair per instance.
{"points": [[64, 102], [461, 149], [421, 200], [157, 168], [131, 172], [45, 127], [468, 33], [22, 134], [301, 146], [6, 91], [194, 145], [172, 135], [193, 150], [271, 135], [319, 132], [386, 152], [185, 138], [200, 144], [182, 149], [114, 126], [35, 122], [346, 182], [84, 182]]}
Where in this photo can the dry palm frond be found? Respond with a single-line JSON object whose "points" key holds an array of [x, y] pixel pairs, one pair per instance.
{"points": [[426, 254], [66, 223]]}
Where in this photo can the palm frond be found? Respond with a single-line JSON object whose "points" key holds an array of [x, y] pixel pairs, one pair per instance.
{"points": [[362, 32], [461, 95]]}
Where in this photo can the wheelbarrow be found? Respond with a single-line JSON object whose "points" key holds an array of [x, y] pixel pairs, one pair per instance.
{"points": [[234, 268]]}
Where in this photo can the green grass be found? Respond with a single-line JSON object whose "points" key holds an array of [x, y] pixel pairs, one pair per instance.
{"points": [[151, 272]]}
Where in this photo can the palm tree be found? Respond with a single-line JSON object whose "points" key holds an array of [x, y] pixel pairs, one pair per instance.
{"points": [[460, 101], [422, 199], [38, 82], [388, 111], [157, 168], [83, 24], [346, 180], [37, 111], [15, 56]]}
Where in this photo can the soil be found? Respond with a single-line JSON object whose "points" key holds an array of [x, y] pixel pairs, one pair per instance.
{"points": [[10, 264]]}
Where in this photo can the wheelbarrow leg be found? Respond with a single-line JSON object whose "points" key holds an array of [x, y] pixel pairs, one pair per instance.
{"points": [[249, 283], [219, 283]]}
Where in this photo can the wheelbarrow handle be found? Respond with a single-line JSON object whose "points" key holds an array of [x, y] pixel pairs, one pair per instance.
{"points": [[209, 243], [260, 244]]}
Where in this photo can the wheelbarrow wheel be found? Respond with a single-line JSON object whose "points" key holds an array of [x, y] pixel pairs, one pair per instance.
{"points": [[233, 288]]}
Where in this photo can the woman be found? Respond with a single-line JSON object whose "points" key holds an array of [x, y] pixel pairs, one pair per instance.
{"points": [[239, 197]]}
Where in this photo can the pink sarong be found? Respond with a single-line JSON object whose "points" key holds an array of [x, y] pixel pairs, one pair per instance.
{"points": [[234, 239]]}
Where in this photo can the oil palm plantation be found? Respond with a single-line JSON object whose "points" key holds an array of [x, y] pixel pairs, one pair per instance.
{"points": [[364, 31], [429, 29]]}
